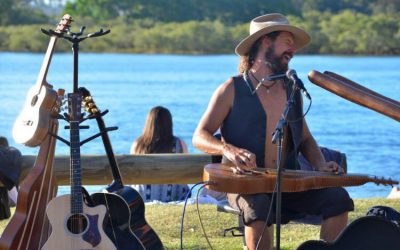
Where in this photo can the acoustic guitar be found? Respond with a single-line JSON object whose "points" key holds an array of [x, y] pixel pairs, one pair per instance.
{"points": [[126, 225], [74, 224], [365, 233], [263, 180], [32, 124]]}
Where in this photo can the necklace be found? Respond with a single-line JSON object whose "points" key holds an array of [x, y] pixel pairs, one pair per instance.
{"points": [[261, 82]]}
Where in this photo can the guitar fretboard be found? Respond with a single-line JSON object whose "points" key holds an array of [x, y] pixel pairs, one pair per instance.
{"points": [[75, 154]]}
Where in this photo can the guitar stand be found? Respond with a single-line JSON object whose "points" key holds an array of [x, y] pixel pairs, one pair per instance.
{"points": [[75, 38]]}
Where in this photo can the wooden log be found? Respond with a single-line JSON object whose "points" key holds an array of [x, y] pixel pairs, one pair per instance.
{"points": [[135, 169]]}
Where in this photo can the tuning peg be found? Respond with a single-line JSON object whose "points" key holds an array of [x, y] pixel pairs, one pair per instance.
{"points": [[88, 98]]}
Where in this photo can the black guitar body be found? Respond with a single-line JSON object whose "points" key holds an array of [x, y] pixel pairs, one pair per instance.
{"points": [[124, 204], [366, 233], [139, 225], [116, 224]]}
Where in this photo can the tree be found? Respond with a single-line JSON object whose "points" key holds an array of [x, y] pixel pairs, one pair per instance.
{"points": [[5, 10]]}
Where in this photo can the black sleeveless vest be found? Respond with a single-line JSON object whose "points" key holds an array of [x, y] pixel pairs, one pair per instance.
{"points": [[245, 125]]}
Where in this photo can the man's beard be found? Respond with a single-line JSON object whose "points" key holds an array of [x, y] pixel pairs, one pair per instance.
{"points": [[274, 61]]}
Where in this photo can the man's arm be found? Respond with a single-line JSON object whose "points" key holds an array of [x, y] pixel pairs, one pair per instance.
{"points": [[217, 110]]}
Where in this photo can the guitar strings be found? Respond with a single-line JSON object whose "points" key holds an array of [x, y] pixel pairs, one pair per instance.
{"points": [[109, 217]]}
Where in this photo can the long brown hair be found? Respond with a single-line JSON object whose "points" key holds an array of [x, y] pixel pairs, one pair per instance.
{"points": [[157, 136]]}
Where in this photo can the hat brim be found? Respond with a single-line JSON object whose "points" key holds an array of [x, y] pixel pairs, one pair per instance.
{"points": [[301, 38]]}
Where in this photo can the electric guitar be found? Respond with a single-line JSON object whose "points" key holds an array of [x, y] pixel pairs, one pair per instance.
{"points": [[32, 124], [126, 208], [74, 224]]}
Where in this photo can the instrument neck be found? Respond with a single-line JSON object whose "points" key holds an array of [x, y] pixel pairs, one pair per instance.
{"points": [[41, 80], [117, 184], [74, 102]]}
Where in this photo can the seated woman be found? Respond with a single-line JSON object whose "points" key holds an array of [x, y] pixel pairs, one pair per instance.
{"points": [[157, 138]]}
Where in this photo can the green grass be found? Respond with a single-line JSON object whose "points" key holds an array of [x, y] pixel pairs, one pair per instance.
{"points": [[166, 219]]}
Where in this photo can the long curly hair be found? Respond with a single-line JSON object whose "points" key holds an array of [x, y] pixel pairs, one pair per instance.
{"points": [[157, 136]]}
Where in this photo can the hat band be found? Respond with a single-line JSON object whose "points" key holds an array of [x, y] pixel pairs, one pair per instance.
{"points": [[257, 26]]}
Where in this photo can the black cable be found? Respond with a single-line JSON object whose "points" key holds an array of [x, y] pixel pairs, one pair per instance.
{"points": [[183, 212], [198, 213], [269, 213], [304, 115]]}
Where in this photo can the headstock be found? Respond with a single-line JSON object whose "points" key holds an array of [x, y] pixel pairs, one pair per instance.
{"points": [[385, 182], [88, 102], [59, 103], [74, 104], [64, 24]]}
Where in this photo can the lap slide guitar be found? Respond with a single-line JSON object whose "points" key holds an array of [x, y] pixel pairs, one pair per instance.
{"points": [[32, 124]]}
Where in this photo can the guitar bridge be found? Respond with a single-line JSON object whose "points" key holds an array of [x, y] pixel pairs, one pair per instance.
{"points": [[27, 123]]}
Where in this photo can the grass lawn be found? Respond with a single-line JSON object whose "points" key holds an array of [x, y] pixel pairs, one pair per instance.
{"points": [[166, 219]]}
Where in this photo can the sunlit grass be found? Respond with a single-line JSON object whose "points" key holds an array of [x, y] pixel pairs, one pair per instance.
{"points": [[166, 219]]}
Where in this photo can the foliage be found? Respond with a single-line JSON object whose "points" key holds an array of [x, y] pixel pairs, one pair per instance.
{"points": [[209, 27], [20, 12], [227, 11], [166, 220]]}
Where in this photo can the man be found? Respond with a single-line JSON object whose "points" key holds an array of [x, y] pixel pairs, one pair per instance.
{"points": [[246, 109]]}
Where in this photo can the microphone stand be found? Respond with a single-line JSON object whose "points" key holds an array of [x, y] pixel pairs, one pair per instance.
{"points": [[277, 137]]}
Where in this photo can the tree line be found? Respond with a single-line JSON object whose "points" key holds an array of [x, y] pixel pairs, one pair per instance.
{"points": [[211, 26]]}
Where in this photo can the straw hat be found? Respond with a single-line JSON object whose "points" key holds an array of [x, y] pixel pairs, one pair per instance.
{"points": [[265, 24]]}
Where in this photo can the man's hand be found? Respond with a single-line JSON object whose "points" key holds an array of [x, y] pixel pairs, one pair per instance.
{"points": [[331, 166], [240, 157]]}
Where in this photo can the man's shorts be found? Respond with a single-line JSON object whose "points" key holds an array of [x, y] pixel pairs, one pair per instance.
{"points": [[327, 202]]}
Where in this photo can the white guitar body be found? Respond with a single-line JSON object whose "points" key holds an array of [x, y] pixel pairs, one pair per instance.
{"points": [[32, 124], [61, 238]]}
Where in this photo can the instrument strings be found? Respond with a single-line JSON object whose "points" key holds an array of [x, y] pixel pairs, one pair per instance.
{"points": [[112, 224]]}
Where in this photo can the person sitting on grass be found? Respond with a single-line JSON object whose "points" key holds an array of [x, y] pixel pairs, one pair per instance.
{"points": [[158, 138]]}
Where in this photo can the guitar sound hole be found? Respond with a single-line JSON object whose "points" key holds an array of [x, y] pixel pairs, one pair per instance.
{"points": [[77, 223], [34, 100]]}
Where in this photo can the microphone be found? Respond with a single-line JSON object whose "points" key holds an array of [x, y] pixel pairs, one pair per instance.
{"points": [[292, 75]]}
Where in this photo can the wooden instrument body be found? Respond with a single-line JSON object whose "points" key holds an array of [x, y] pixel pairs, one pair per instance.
{"points": [[124, 204], [117, 224], [263, 181], [127, 204], [29, 227], [32, 124], [139, 225], [93, 236], [356, 93]]}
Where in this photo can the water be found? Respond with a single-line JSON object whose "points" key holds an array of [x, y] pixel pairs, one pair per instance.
{"points": [[130, 85]]}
